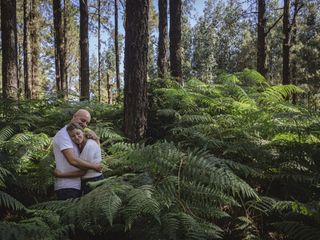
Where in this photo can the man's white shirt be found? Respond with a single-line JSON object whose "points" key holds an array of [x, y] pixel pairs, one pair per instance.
{"points": [[62, 141]]}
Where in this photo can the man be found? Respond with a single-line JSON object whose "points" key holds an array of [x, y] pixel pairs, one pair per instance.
{"points": [[66, 154]]}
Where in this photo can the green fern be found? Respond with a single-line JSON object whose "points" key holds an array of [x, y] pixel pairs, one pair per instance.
{"points": [[297, 230], [7, 201], [39, 225]]}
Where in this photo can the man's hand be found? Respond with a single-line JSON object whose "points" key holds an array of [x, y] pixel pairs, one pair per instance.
{"points": [[56, 173]]}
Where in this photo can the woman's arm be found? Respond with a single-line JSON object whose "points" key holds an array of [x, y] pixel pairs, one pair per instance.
{"points": [[73, 174]]}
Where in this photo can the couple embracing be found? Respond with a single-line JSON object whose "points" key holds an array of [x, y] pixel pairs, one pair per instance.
{"points": [[77, 156]]}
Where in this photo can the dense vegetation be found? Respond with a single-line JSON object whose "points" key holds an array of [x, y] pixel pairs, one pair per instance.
{"points": [[232, 159]]}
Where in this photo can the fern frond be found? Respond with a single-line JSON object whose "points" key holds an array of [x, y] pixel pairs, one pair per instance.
{"points": [[248, 229], [6, 133], [263, 205], [7, 201], [295, 207], [242, 169], [181, 225], [168, 113], [250, 77], [297, 230], [140, 202], [295, 177], [3, 172], [39, 225], [278, 93], [197, 119], [107, 134]]}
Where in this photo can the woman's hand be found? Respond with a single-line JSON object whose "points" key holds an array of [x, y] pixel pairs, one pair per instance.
{"points": [[91, 135]]}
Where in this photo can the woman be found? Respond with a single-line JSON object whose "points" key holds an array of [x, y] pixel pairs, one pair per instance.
{"points": [[90, 151]]}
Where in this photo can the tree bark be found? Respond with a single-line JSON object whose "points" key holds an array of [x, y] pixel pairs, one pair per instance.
{"points": [[163, 38], [65, 41], [109, 89], [59, 52], [9, 49], [261, 41], [116, 46], [84, 51], [293, 68], [34, 50], [286, 43], [26, 51], [135, 74], [99, 50], [175, 39]]}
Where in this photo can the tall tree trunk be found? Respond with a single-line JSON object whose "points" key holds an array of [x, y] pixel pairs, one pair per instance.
{"points": [[116, 46], [109, 89], [65, 49], [84, 51], [20, 64], [175, 39], [261, 56], [58, 37], [286, 43], [163, 38], [99, 50], [26, 50], [34, 49], [9, 49], [293, 68], [135, 74]]}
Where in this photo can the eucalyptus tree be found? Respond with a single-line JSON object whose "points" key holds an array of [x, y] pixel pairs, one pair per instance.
{"points": [[116, 48], [26, 50], [223, 39], [263, 30], [152, 28], [35, 26], [59, 47], [71, 50], [204, 41], [163, 38], [110, 65], [65, 50], [261, 39], [285, 43], [99, 50], [84, 51], [9, 49], [186, 39], [289, 19], [135, 69], [175, 39], [305, 61]]}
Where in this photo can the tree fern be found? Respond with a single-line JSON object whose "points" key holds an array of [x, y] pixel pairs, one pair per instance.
{"points": [[106, 133], [140, 202], [39, 225], [278, 93], [6, 133], [297, 230], [7, 201]]}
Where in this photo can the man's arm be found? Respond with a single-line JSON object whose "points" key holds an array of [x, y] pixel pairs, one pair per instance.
{"points": [[79, 163], [73, 174]]}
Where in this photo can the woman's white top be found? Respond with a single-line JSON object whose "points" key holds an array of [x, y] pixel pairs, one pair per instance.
{"points": [[91, 153]]}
